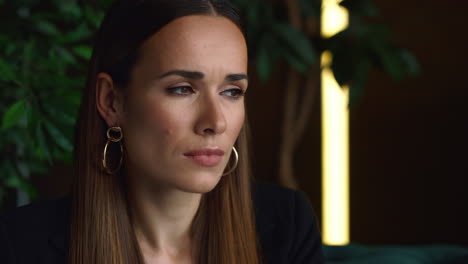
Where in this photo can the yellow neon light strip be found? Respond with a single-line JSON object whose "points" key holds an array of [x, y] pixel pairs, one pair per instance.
{"points": [[335, 137], [334, 18]]}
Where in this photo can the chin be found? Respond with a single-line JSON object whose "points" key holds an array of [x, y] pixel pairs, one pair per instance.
{"points": [[202, 182]]}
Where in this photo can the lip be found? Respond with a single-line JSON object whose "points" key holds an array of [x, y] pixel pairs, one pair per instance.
{"points": [[206, 157]]}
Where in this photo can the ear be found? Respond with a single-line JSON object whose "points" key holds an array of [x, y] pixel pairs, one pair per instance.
{"points": [[108, 100]]}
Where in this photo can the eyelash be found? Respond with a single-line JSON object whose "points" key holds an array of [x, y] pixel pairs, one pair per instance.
{"points": [[173, 91]]}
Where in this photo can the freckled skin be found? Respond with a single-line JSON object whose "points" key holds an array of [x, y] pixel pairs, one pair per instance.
{"points": [[159, 127]]}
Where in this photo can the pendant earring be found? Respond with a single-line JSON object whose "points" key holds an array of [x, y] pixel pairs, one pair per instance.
{"points": [[236, 155], [114, 135]]}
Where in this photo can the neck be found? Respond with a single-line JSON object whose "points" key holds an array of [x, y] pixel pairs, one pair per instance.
{"points": [[162, 218]]}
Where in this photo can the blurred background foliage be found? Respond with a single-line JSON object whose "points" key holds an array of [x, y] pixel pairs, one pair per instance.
{"points": [[45, 46], [44, 49]]}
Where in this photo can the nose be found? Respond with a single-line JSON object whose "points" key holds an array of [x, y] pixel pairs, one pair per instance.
{"points": [[211, 119]]}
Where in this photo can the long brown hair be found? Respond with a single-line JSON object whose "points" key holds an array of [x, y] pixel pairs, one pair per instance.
{"points": [[101, 232]]}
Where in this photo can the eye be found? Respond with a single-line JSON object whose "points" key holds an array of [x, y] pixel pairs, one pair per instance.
{"points": [[235, 93], [180, 90]]}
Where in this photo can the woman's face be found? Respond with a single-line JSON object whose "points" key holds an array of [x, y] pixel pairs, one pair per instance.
{"points": [[184, 107]]}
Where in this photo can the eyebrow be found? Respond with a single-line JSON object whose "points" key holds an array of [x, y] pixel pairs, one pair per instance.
{"points": [[236, 77], [199, 75]]}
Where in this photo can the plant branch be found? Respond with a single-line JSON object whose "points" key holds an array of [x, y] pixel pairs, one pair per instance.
{"points": [[306, 106], [286, 169]]}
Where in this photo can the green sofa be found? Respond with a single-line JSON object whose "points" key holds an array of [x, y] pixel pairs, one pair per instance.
{"points": [[362, 254]]}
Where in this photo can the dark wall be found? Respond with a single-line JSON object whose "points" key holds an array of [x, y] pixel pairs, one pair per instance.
{"points": [[409, 140]]}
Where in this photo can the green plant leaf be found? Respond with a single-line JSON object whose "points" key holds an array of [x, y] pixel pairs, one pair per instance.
{"points": [[263, 64], [70, 10], [297, 42], [343, 64], [412, 65], [47, 28], [37, 167], [80, 33], [264, 58], [59, 138], [7, 170], [65, 55], [310, 8], [392, 64], [14, 114], [59, 113], [93, 16], [6, 72], [361, 74], [67, 159], [10, 48], [360, 7], [73, 96], [106, 4], [295, 62], [83, 51], [18, 182], [44, 151]]}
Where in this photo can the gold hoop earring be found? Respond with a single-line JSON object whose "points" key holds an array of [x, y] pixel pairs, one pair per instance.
{"points": [[236, 155], [111, 138]]}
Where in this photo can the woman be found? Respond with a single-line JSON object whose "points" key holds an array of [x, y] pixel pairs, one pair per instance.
{"points": [[162, 171]]}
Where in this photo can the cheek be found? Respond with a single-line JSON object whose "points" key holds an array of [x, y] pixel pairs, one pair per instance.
{"points": [[237, 122], [155, 120], [152, 133]]}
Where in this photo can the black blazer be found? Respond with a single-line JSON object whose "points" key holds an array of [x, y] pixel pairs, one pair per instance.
{"points": [[38, 233]]}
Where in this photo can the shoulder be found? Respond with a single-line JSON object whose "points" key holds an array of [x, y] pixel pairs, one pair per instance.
{"points": [[269, 196], [282, 204], [38, 216], [43, 209], [286, 225], [32, 231]]}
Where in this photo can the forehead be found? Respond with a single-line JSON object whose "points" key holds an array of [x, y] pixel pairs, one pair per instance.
{"points": [[196, 42]]}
